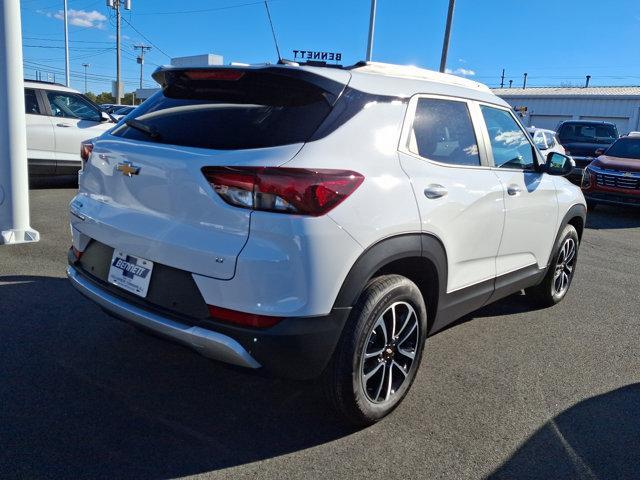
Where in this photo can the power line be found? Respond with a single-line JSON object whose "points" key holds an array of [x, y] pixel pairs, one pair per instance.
{"points": [[62, 40], [60, 46], [146, 38], [216, 9]]}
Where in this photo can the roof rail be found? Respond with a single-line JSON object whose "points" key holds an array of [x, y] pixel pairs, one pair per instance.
{"points": [[44, 81]]}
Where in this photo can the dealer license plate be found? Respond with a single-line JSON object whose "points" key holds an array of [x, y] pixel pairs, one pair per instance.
{"points": [[130, 273]]}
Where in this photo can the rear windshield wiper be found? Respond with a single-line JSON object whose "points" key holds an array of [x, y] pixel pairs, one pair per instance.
{"points": [[150, 131]]}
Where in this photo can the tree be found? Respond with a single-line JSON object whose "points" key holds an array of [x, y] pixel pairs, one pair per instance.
{"points": [[105, 97], [128, 99]]}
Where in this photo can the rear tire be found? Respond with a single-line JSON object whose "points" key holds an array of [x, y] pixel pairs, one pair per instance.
{"points": [[379, 353], [561, 270]]}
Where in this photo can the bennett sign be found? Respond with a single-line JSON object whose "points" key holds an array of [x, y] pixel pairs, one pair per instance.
{"points": [[312, 55]]}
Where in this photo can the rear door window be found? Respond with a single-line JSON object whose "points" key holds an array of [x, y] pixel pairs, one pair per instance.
{"points": [[231, 111], [442, 131]]}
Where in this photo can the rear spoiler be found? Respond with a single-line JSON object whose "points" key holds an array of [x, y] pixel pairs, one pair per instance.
{"points": [[332, 88]]}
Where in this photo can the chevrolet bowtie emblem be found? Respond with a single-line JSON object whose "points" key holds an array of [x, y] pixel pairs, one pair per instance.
{"points": [[128, 168]]}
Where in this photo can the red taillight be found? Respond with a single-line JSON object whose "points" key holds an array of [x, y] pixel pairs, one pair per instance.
{"points": [[241, 318], [86, 148], [76, 253], [285, 190], [228, 75]]}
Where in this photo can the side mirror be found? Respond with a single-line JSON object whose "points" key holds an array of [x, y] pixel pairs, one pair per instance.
{"points": [[599, 151], [559, 164]]}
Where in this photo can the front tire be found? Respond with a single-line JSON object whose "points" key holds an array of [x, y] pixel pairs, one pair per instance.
{"points": [[558, 279], [379, 352]]}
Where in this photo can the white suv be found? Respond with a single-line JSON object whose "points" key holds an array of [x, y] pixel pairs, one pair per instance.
{"points": [[311, 221], [58, 120]]}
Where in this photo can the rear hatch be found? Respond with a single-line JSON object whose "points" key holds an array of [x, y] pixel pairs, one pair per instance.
{"points": [[143, 191]]}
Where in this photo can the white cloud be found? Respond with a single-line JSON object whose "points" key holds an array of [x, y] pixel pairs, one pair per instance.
{"points": [[465, 72], [80, 18]]}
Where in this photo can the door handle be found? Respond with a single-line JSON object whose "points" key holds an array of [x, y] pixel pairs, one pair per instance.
{"points": [[435, 191], [62, 125], [513, 190]]}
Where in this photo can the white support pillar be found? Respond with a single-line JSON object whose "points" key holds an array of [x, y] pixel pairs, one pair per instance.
{"points": [[14, 178]]}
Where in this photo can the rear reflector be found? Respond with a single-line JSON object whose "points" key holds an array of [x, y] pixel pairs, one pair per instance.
{"points": [[300, 191], [76, 253], [241, 318]]}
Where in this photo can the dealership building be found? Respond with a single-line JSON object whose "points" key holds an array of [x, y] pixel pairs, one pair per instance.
{"points": [[547, 106]]}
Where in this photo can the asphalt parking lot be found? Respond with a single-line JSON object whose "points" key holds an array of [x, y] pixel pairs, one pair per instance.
{"points": [[506, 393]]}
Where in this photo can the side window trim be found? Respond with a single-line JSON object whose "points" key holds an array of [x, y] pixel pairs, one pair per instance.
{"points": [[485, 132], [410, 117], [41, 103]]}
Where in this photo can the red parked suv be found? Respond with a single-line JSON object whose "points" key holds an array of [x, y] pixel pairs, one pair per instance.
{"points": [[614, 177]]}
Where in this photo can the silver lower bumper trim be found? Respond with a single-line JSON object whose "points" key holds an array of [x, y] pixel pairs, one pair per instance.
{"points": [[206, 342]]}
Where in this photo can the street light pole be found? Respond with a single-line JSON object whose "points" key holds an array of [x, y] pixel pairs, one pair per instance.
{"points": [[85, 65], [372, 25], [67, 77], [447, 35], [14, 178]]}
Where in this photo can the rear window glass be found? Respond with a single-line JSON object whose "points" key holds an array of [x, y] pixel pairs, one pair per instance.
{"points": [[255, 110], [625, 148], [588, 132]]}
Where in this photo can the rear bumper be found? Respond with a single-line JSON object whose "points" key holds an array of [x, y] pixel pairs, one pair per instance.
{"points": [[297, 347], [210, 344]]}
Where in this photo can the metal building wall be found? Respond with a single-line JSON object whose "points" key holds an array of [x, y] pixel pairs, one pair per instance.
{"points": [[546, 112]]}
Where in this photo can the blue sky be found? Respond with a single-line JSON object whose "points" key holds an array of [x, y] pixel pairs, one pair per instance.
{"points": [[555, 42]]}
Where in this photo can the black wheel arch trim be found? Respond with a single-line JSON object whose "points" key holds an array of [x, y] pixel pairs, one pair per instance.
{"points": [[387, 251], [576, 211]]}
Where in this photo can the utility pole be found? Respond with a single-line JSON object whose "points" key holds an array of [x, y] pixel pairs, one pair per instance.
{"points": [[85, 65], [524, 82], [510, 83], [140, 59], [116, 4], [372, 26], [502, 79], [67, 77], [447, 35], [15, 223]]}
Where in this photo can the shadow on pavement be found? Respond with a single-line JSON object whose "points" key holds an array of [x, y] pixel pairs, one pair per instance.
{"points": [[597, 438], [83, 395], [613, 217]]}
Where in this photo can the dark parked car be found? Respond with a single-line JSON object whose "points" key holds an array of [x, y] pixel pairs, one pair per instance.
{"points": [[581, 139], [614, 177]]}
